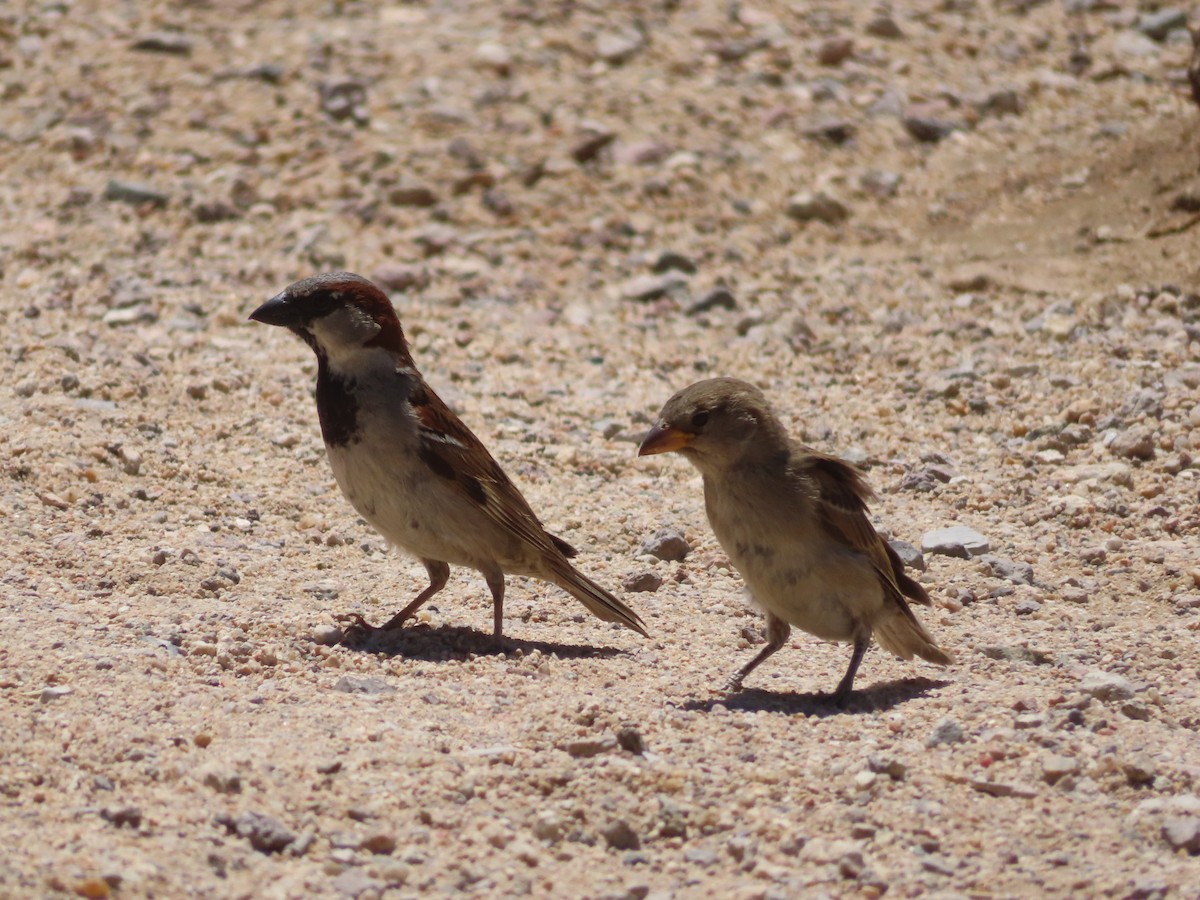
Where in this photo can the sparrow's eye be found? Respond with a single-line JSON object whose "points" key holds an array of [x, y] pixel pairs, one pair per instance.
{"points": [[700, 419]]}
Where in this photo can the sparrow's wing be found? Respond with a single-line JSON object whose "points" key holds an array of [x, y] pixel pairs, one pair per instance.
{"points": [[842, 495], [453, 452]]}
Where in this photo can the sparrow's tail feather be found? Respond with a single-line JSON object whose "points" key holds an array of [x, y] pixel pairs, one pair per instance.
{"points": [[599, 602], [906, 637]]}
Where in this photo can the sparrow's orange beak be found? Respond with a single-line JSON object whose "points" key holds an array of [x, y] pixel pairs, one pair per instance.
{"points": [[664, 439]]}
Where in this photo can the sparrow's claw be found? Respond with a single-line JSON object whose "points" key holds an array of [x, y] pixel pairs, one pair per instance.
{"points": [[733, 685], [358, 629]]}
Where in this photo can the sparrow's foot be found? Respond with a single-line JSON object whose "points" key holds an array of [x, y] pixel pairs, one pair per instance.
{"points": [[358, 629], [734, 684]]}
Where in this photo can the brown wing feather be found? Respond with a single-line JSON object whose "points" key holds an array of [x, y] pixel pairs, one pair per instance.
{"points": [[453, 451], [842, 494]]}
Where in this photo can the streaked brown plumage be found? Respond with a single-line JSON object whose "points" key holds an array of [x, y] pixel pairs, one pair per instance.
{"points": [[794, 523]]}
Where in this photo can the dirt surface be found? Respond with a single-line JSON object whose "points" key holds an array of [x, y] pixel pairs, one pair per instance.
{"points": [[993, 312]]}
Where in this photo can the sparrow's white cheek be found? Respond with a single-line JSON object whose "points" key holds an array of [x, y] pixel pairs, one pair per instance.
{"points": [[344, 329]]}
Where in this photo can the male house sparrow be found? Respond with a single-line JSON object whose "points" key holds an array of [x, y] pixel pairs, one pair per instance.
{"points": [[408, 464], [794, 523]]}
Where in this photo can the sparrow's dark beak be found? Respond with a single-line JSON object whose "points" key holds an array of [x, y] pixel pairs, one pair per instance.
{"points": [[279, 310], [664, 439]]}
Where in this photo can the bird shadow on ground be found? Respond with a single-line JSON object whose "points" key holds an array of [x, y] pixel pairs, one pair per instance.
{"points": [[875, 698], [456, 642]]}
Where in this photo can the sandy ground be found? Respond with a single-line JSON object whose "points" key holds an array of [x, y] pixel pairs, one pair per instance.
{"points": [[994, 312]]}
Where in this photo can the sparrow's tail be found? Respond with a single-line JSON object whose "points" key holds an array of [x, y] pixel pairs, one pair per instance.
{"points": [[599, 602], [899, 631]]}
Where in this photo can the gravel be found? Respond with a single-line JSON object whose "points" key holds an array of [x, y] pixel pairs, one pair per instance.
{"points": [[1002, 329]]}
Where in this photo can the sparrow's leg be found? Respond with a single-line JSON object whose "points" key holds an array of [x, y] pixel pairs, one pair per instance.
{"points": [[495, 582], [777, 635], [842, 694], [439, 574]]}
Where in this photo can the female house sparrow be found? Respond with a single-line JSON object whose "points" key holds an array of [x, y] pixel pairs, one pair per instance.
{"points": [[794, 523], [408, 464]]}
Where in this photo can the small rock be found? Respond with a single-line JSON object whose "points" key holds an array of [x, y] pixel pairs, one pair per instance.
{"points": [[832, 131], [1136, 443], [1135, 709], [590, 146], [326, 635], [1106, 686], [266, 834], [651, 287], [1183, 833], [631, 740], [164, 42], [667, 544], [669, 260], [884, 26], [223, 781], [1016, 572], [122, 815], [808, 206], [946, 731], [1026, 606], [412, 195], [585, 748], [369, 685], [381, 843], [1139, 770], [1019, 654], [880, 184], [494, 56], [134, 193], [620, 836], [643, 582], [924, 124], [548, 826], [1157, 25], [616, 47], [957, 540], [835, 51], [886, 765], [1134, 45], [909, 555], [400, 277], [718, 297], [352, 882], [50, 694], [345, 98], [641, 153], [1055, 767]]}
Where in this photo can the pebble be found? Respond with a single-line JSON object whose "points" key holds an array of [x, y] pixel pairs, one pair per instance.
{"points": [[344, 98], [619, 835], [642, 582], [135, 193], [808, 206], [884, 26], [879, 183], [923, 123], [381, 843], [669, 260], [641, 153], [651, 287], [946, 731], [266, 834], [1016, 572], [589, 147], [1106, 686], [352, 882], [171, 42], [222, 780], [585, 748], [412, 194], [616, 47], [909, 555], [1055, 768], [831, 130], [1136, 443], [719, 297], [494, 56], [400, 277], [1139, 769], [835, 51], [1183, 833], [667, 544], [50, 694], [1157, 25], [370, 685], [957, 540]]}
